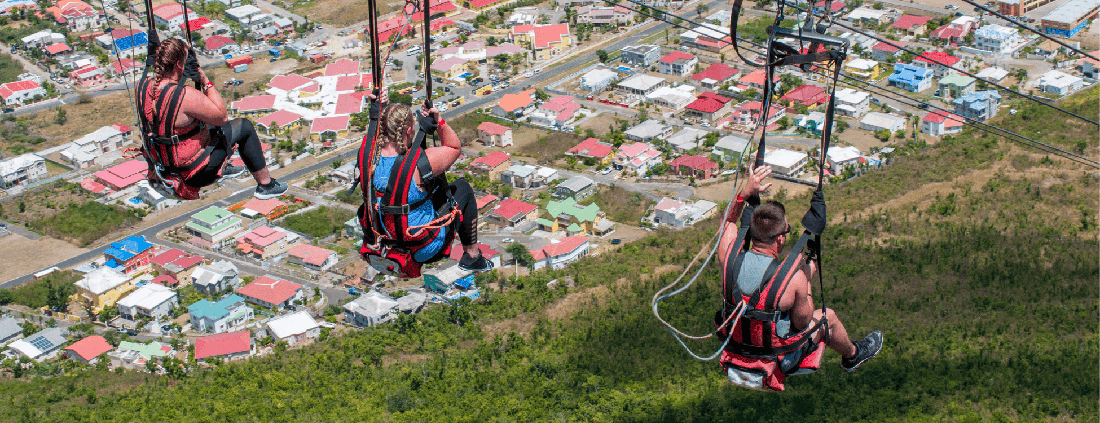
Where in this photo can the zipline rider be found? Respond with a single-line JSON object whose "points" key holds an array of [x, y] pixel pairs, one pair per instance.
{"points": [[751, 273]]}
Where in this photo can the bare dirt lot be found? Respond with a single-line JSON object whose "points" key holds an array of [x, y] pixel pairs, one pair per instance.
{"points": [[23, 256], [81, 119], [342, 12]]}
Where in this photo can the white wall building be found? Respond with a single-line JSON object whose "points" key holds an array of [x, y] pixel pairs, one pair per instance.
{"points": [[22, 169], [294, 328], [876, 121], [675, 98], [598, 80], [786, 162], [152, 301], [40, 346], [370, 309], [84, 150], [1060, 83], [996, 39], [679, 214], [852, 103], [840, 157]]}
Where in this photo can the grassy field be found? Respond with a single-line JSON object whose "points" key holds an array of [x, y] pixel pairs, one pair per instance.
{"points": [[9, 68], [620, 205], [320, 222], [66, 211]]}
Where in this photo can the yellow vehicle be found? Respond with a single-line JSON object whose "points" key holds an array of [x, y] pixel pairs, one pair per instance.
{"points": [[458, 101], [484, 90]]}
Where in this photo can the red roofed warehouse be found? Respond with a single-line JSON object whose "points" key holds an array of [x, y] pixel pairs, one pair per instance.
{"points": [[481, 4], [216, 44], [87, 350], [491, 165], [715, 75], [884, 50], [698, 166], [558, 255], [329, 127], [756, 80], [511, 212], [313, 257], [677, 63], [593, 148], [279, 122], [272, 293], [342, 67], [226, 346], [547, 40], [708, 106], [254, 105], [121, 176], [494, 135]]}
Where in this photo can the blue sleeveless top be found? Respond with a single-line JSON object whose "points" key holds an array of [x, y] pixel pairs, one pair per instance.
{"points": [[418, 216]]}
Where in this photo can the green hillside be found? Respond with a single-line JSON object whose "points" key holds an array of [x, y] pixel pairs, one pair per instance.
{"points": [[976, 258]]}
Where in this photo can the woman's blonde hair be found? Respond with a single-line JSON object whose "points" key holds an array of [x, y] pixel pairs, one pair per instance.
{"points": [[393, 127]]}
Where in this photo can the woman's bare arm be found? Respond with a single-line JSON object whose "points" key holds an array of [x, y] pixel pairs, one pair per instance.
{"points": [[207, 107]]}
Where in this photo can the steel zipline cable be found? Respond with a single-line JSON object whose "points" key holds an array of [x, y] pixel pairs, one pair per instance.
{"points": [[1021, 139]]}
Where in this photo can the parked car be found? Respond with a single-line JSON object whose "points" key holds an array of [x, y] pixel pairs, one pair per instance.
{"points": [[507, 241], [538, 70], [616, 241]]}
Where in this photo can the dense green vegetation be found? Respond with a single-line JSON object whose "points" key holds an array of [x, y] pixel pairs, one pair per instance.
{"points": [[320, 222], [9, 68], [86, 222], [620, 205], [980, 269], [52, 290]]}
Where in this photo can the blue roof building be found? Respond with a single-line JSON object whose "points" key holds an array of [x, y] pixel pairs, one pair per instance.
{"points": [[911, 78], [217, 317], [129, 254], [979, 106]]}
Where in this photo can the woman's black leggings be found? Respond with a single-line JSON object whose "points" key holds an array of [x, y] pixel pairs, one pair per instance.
{"points": [[239, 132], [464, 196]]}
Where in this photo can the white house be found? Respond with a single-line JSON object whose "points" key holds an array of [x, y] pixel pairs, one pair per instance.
{"points": [[648, 131], [216, 277], [22, 169], [876, 121], [996, 39], [9, 330], [152, 301], [675, 98], [559, 254], [840, 157], [786, 162], [19, 92], [598, 79], [272, 292], [294, 328], [153, 197], [1060, 83], [84, 150], [641, 84], [241, 14], [312, 257], [214, 226], [678, 214], [370, 309], [687, 139], [40, 346]]}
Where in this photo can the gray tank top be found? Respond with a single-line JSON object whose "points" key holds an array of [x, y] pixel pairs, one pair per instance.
{"points": [[751, 278]]}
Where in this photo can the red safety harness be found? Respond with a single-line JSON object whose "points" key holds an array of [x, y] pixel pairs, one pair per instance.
{"points": [[162, 149], [757, 356], [389, 241]]}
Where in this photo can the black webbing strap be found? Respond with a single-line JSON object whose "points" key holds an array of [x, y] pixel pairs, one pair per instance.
{"points": [[771, 302]]}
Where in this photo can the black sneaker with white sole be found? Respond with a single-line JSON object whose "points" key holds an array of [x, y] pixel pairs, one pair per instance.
{"points": [[271, 190], [479, 264], [866, 349], [231, 171]]}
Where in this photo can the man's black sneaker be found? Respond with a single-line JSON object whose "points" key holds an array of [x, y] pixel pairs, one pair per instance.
{"points": [[271, 190], [479, 264], [231, 171], [866, 349]]}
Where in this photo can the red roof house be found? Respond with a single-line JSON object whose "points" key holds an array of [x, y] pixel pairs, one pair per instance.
{"points": [[486, 200], [709, 106], [176, 263], [558, 254], [270, 292], [347, 104], [335, 124], [124, 65], [122, 175], [698, 166], [834, 7], [342, 67], [195, 24], [491, 164], [715, 75], [806, 95], [271, 208], [756, 79], [494, 134], [481, 4], [88, 349], [512, 211], [486, 251], [289, 82], [231, 345], [217, 42], [592, 147], [254, 105], [279, 121], [911, 24], [312, 256], [58, 48]]}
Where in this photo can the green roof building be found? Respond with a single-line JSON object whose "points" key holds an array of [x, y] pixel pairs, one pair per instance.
{"points": [[956, 85], [573, 218], [213, 225]]}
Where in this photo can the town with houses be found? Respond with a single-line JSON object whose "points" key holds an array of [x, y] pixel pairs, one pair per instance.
{"points": [[562, 132]]}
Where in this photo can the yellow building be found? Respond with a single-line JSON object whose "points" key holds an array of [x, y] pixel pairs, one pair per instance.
{"points": [[863, 68], [103, 287], [450, 67], [567, 215], [546, 40], [280, 122], [330, 126]]}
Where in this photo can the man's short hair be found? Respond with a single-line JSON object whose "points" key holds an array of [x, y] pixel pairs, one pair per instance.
{"points": [[768, 221]]}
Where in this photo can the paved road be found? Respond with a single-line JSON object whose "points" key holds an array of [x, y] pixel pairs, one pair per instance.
{"points": [[18, 229], [150, 233]]}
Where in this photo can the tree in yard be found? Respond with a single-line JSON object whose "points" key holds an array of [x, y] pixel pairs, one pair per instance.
{"points": [[22, 207], [602, 55], [519, 253], [784, 122], [337, 162], [701, 8], [61, 117], [541, 95], [899, 135]]}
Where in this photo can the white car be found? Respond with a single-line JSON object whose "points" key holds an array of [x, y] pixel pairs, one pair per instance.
{"points": [[443, 108], [507, 241], [325, 324], [528, 74], [452, 85], [538, 70]]}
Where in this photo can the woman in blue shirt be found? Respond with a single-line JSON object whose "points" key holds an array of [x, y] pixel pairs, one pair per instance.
{"points": [[395, 135]]}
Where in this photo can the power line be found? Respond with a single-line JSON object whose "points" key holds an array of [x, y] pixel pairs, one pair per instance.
{"points": [[961, 70], [1017, 23], [1027, 141]]}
